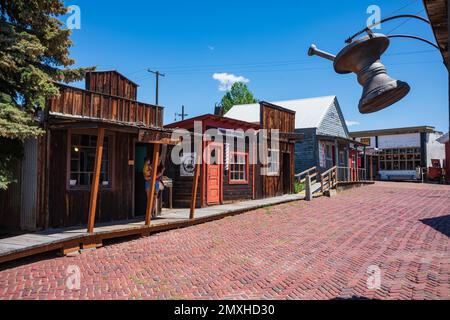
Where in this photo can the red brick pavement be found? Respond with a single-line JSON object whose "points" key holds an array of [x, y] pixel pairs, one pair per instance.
{"points": [[317, 250]]}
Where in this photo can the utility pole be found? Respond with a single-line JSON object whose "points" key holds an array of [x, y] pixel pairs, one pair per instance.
{"points": [[182, 114], [157, 74]]}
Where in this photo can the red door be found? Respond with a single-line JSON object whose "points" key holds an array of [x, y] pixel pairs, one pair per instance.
{"points": [[213, 175]]}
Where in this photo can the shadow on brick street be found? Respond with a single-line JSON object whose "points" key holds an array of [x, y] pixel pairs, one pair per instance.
{"points": [[441, 224]]}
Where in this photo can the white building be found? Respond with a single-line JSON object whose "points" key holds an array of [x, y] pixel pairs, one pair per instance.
{"points": [[396, 154]]}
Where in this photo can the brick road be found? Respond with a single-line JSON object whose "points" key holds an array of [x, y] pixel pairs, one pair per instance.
{"points": [[317, 250]]}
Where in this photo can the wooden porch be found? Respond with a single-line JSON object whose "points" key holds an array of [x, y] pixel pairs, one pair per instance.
{"points": [[73, 239]]}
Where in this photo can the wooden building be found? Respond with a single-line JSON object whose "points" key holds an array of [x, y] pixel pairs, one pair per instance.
{"points": [[87, 167], [397, 153], [227, 172], [437, 12], [280, 173], [325, 139], [241, 174]]}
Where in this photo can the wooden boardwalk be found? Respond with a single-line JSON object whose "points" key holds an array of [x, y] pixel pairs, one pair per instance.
{"points": [[73, 239]]}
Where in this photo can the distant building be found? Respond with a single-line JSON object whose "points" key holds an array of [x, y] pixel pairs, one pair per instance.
{"points": [[446, 142], [326, 141], [396, 154]]}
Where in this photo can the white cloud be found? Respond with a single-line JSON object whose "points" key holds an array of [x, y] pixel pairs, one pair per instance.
{"points": [[228, 79], [351, 123]]}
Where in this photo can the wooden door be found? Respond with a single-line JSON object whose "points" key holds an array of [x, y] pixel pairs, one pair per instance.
{"points": [[287, 173], [213, 174]]}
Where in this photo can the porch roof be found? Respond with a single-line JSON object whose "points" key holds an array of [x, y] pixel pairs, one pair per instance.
{"points": [[341, 139], [145, 134]]}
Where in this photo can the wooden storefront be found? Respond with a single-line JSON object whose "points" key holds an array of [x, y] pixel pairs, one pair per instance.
{"points": [[88, 164], [227, 173], [280, 178]]}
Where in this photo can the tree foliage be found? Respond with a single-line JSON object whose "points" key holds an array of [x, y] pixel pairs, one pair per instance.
{"points": [[239, 94], [34, 54]]}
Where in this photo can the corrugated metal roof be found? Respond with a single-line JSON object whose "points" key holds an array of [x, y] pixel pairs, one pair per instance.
{"points": [[309, 112]]}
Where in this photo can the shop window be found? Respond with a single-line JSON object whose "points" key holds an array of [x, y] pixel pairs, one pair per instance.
{"points": [[238, 173], [400, 159], [273, 169], [82, 161]]}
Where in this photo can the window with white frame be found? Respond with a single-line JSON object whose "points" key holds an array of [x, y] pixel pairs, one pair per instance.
{"points": [[238, 167], [273, 168], [400, 159], [82, 161]]}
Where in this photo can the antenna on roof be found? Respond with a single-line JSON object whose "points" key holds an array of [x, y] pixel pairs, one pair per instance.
{"points": [[182, 114]]}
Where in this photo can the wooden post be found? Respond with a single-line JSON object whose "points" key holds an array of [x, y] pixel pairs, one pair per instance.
{"points": [[308, 190], [151, 191], [371, 167], [195, 184], [95, 183]]}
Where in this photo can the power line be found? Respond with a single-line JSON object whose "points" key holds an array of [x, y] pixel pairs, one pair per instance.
{"points": [[301, 69], [246, 67], [405, 6], [403, 23]]}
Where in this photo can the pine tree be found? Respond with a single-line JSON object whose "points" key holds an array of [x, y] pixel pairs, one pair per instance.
{"points": [[34, 55]]}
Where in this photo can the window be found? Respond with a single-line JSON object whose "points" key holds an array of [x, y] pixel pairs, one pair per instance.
{"points": [[329, 152], [82, 161], [273, 168], [238, 173], [400, 159]]}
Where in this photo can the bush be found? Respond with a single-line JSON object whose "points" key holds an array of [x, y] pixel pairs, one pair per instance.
{"points": [[299, 187]]}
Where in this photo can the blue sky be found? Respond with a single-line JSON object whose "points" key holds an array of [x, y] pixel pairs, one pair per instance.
{"points": [[264, 42]]}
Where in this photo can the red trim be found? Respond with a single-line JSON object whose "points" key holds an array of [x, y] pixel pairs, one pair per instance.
{"points": [[214, 121], [231, 181], [253, 174]]}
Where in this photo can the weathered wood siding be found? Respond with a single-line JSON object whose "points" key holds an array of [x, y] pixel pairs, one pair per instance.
{"points": [[273, 117], [306, 150], [182, 186], [70, 207], [88, 104], [237, 192], [111, 83]]}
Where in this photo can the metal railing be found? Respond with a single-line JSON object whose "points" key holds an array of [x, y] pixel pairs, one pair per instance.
{"points": [[347, 174]]}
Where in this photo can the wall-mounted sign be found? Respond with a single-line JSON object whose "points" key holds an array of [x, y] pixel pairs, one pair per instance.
{"points": [[187, 167], [365, 141], [160, 137]]}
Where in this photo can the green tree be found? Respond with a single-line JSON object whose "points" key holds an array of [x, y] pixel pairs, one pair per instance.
{"points": [[239, 94], [34, 54]]}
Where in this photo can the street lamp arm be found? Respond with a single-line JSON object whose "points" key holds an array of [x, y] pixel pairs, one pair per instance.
{"points": [[414, 37], [368, 29]]}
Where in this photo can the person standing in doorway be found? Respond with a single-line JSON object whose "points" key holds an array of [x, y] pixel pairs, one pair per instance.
{"points": [[148, 171]]}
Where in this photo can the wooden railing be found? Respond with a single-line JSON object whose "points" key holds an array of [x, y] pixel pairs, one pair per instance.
{"points": [[347, 174], [312, 172], [89, 104], [329, 179]]}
